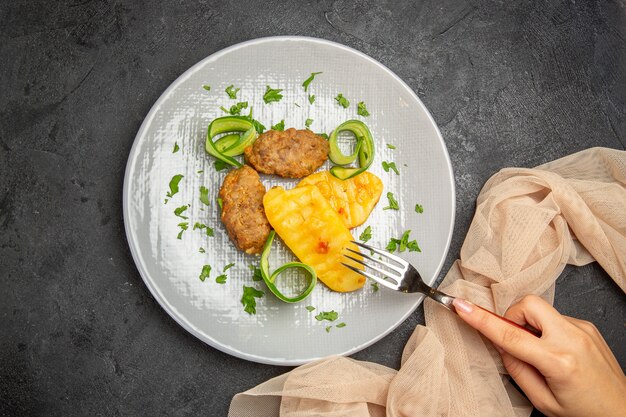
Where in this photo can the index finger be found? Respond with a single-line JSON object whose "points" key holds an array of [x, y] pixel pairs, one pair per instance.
{"points": [[519, 343]]}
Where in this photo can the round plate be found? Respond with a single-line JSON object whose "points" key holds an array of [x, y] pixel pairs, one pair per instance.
{"points": [[280, 333]]}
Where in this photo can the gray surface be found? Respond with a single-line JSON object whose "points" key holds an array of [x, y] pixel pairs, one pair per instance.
{"points": [[509, 83]]}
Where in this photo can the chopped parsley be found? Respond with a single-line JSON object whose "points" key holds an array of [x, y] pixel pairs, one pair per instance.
{"points": [[220, 202], [328, 329], [419, 208], [183, 226], [324, 135], [310, 308], [200, 171], [179, 212], [343, 102], [248, 299], [224, 109], [176, 147], [375, 286], [202, 250], [227, 267], [390, 165], [311, 98], [204, 195], [308, 81], [308, 122], [207, 87], [209, 231], [361, 110], [279, 126], [272, 94], [403, 244], [206, 271], [393, 203], [232, 92], [390, 146], [221, 279], [340, 325], [236, 109], [327, 315], [174, 185], [256, 273], [220, 165], [366, 235], [296, 104]]}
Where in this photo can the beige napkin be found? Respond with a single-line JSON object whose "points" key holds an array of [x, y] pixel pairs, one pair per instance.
{"points": [[529, 223]]}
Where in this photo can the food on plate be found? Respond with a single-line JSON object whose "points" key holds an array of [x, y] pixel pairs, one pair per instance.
{"points": [[242, 209], [290, 153], [353, 199], [364, 149], [314, 232], [239, 133], [270, 278]]}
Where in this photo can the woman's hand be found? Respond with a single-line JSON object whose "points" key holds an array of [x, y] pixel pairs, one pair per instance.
{"points": [[568, 371]]}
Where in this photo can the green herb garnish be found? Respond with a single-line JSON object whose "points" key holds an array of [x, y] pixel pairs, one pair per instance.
{"points": [[343, 102], [340, 325], [306, 82], [206, 271], [248, 299], [257, 274], [390, 146], [202, 250], [220, 202], [176, 147], [235, 109], [419, 208], [296, 104], [403, 244], [327, 315], [204, 195], [183, 226], [279, 126], [361, 110], [393, 203], [366, 235], [272, 94], [312, 98], [227, 267], [308, 122], [390, 165], [224, 109], [200, 171], [201, 226], [174, 185], [207, 87], [310, 308], [221, 279], [232, 92], [179, 212], [328, 329], [220, 165], [324, 135], [375, 286]]}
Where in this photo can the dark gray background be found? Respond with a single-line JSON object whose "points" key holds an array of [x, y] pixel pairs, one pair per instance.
{"points": [[510, 83]]}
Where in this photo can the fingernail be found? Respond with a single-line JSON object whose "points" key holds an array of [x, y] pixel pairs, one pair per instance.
{"points": [[463, 305]]}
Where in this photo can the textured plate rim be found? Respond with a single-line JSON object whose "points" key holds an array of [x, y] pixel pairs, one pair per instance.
{"points": [[169, 309]]}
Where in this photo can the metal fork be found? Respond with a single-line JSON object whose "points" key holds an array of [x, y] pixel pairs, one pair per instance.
{"points": [[402, 276]]}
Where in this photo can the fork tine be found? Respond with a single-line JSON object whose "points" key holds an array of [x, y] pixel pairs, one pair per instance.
{"points": [[373, 277], [377, 269], [378, 261], [382, 253]]}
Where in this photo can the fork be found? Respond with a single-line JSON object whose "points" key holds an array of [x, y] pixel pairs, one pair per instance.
{"points": [[402, 276]]}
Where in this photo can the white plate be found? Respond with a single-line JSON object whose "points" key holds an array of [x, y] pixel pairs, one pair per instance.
{"points": [[279, 333]]}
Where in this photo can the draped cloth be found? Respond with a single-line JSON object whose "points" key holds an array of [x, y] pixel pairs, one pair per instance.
{"points": [[529, 223]]}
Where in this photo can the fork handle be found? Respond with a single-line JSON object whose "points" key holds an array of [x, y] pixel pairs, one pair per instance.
{"points": [[447, 300]]}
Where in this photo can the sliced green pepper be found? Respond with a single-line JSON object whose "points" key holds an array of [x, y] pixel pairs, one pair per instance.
{"points": [[364, 149], [232, 144], [270, 279]]}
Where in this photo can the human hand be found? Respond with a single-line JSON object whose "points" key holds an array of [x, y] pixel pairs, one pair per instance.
{"points": [[568, 371]]}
